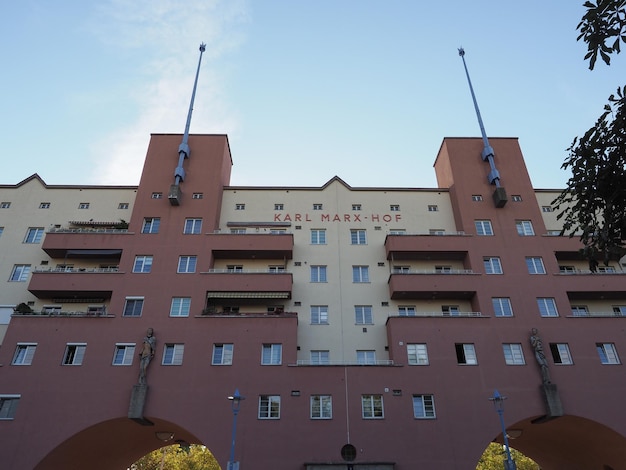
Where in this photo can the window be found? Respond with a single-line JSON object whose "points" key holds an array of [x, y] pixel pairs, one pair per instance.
{"points": [[483, 227], [269, 407], [278, 231], [237, 231], [44, 205], [34, 235], [319, 314], [477, 197], [279, 268], [143, 264], [524, 228], [173, 354], [406, 310], [535, 265], [394, 207], [74, 354], [417, 354], [5, 205], [423, 406], [123, 355], [608, 353], [443, 269], [1, 230], [321, 407], [366, 357], [279, 207], [372, 406], [133, 307], [197, 196], [561, 354], [234, 268], [433, 208], [492, 265], [450, 310], [157, 196], [317, 207], [24, 353], [401, 269], [318, 273], [180, 307], [271, 354], [516, 198], [547, 307], [465, 354], [360, 274], [20, 273], [192, 226], [122, 205], [240, 207], [83, 205], [187, 264], [513, 354], [318, 236], [605, 269], [546, 208], [151, 225], [580, 310], [357, 237], [363, 314], [8, 406], [397, 231], [619, 310], [567, 269], [356, 207], [222, 354], [320, 357], [502, 306]]}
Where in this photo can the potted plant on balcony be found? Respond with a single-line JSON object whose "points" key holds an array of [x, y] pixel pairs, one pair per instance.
{"points": [[23, 309]]}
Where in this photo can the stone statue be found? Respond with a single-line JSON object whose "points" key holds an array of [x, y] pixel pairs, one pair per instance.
{"points": [[537, 345], [146, 354]]}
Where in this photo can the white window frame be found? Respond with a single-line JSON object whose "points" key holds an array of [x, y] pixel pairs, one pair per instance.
{"points": [[417, 354], [272, 354], [319, 314], [8, 406], [394, 207], [450, 310], [44, 205], [127, 351], [318, 207], [547, 307], [321, 407], [74, 354], [320, 357], [197, 196], [406, 310], [358, 236], [5, 205], [34, 235], [173, 354], [187, 264], [580, 310], [492, 265], [525, 228], [193, 226], [502, 306], [84, 205], [20, 273], [466, 354], [180, 306], [401, 270], [433, 208], [372, 406], [477, 197], [151, 225], [240, 206], [131, 305], [143, 264], [483, 228], [123, 205], [535, 265], [157, 196], [363, 315], [619, 310], [356, 207], [513, 354], [424, 406], [279, 207], [366, 357], [24, 354], [546, 209], [318, 236], [360, 274], [269, 407], [223, 354], [319, 273], [561, 354], [608, 353]]}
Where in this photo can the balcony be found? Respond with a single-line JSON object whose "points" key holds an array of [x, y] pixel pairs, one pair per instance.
{"points": [[251, 245], [84, 243], [442, 247], [225, 284], [460, 284], [87, 284]]}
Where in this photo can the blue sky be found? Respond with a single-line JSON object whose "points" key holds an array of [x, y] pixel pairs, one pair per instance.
{"points": [[306, 90]]}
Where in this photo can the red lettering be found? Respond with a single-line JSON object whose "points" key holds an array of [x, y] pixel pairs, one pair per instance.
{"points": [[325, 217], [287, 218], [387, 218], [357, 217], [298, 218], [277, 218], [336, 218], [307, 219], [375, 218], [346, 217], [398, 217]]}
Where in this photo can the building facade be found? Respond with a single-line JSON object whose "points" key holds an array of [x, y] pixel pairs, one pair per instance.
{"points": [[365, 327]]}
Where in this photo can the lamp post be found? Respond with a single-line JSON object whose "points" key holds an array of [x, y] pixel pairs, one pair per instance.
{"points": [[498, 403], [236, 403]]}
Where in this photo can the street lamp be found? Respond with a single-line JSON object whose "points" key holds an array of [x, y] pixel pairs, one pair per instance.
{"points": [[498, 403], [236, 403]]}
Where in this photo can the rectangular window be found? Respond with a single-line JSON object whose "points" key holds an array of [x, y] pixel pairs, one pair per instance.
{"points": [[619, 310], [151, 225], [401, 269], [319, 314], [83, 205], [122, 205], [44, 205], [187, 264], [443, 269], [397, 231], [180, 306], [192, 226], [318, 236], [222, 354], [157, 196], [424, 407], [406, 310], [269, 407], [547, 307], [240, 207], [477, 197], [34, 235], [5, 205], [321, 407], [317, 207], [20, 273], [567, 269], [502, 306], [272, 354], [516, 198], [606, 269], [357, 237], [608, 353], [8, 406], [433, 208], [546, 208], [320, 357], [318, 273], [74, 353], [450, 310], [276, 269], [417, 354], [356, 207], [279, 207], [197, 196], [524, 228], [143, 264], [580, 310], [363, 315], [483, 227], [133, 307], [234, 268], [492, 265], [394, 207], [535, 265], [1, 230], [123, 355], [513, 354], [173, 354], [360, 274], [366, 357], [237, 231], [372, 406], [561, 354], [466, 354], [24, 353]]}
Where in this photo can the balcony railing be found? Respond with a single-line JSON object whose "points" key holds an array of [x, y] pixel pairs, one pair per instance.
{"points": [[377, 362], [218, 312], [598, 314], [433, 271], [599, 272], [441, 314], [111, 269], [59, 313], [87, 230]]}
